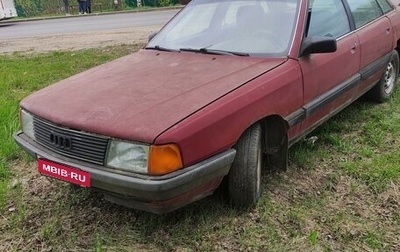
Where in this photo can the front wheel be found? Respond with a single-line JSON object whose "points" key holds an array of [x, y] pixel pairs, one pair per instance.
{"points": [[384, 89], [244, 177]]}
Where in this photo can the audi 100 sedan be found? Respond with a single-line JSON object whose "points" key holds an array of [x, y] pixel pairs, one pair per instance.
{"points": [[221, 91]]}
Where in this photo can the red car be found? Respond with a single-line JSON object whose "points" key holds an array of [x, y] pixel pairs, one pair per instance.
{"points": [[223, 90]]}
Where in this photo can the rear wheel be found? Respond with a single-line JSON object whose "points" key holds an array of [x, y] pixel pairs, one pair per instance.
{"points": [[244, 179], [384, 89]]}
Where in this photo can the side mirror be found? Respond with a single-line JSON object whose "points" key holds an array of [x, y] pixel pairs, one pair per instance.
{"points": [[318, 45], [151, 36]]}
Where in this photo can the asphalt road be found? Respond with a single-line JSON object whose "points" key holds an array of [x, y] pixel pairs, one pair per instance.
{"points": [[76, 24]]}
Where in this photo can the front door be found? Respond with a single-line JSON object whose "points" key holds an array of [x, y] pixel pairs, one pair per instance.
{"points": [[329, 79], [375, 34]]}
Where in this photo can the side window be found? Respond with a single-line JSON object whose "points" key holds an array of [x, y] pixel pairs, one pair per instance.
{"points": [[385, 6], [327, 18], [364, 11]]}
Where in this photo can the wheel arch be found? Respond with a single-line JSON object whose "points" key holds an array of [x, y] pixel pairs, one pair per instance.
{"points": [[276, 142], [398, 49]]}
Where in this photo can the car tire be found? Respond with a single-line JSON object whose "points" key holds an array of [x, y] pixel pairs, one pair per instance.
{"points": [[244, 178], [384, 89]]}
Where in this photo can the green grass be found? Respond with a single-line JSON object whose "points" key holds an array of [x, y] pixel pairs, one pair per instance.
{"points": [[340, 193]]}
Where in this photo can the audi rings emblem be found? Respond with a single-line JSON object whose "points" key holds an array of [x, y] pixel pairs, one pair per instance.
{"points": [[60, 141]]}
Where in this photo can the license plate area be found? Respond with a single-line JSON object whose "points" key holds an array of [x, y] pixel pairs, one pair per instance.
{"points": [[65, 173]]}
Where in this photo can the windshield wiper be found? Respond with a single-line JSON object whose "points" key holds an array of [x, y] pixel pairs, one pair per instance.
{"points": [[160, 48], [201, 50], [213, 51]]}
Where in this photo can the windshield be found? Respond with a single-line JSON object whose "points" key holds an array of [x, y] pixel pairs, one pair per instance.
{"points": [[238, 27]]}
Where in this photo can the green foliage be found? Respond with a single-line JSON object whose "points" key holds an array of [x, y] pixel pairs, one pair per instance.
{"points": [[26, 8], [130, 3], [313, 237], [32, 8], [164, 3]]}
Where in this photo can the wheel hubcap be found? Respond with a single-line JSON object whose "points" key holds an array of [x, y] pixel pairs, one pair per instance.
{"points": [[390, 77]]}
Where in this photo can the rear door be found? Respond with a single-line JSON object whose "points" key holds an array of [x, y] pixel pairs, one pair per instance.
{"points": [[375, 34], [329, 79]]}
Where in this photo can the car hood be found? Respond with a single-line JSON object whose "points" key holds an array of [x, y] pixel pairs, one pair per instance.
{"points": [[141, 95]]}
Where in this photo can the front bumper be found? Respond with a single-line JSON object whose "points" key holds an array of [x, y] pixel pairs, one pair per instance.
{"points": [[158, 194]]}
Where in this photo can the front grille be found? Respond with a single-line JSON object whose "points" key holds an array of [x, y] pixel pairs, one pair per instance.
{"points": [[71, 143]]}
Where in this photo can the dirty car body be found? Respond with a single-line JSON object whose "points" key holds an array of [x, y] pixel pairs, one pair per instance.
{"points": [[222, 91]]}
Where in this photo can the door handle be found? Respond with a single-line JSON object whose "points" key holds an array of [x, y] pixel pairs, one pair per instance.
{"points": [[353, 48]]}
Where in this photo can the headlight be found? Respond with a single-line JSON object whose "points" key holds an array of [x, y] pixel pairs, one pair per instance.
{"points": [[128, 156], [152, 160], [26, 121]]}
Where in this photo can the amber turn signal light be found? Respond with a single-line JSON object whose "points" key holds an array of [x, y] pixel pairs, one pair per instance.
{"points": [[164, 159]]}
